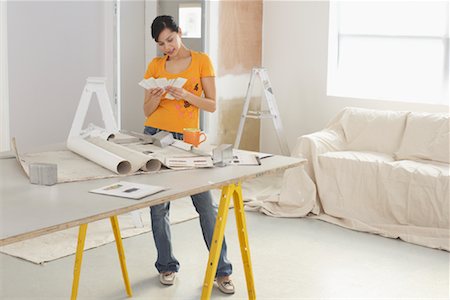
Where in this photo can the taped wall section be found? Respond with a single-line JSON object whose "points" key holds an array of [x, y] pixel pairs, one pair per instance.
{"points": [[239, 50]]}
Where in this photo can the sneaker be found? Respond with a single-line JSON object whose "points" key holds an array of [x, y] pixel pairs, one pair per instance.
{"points": [[167, 278], [225, 284]]}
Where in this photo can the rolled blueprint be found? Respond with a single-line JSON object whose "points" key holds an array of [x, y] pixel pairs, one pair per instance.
{"points": [[138, 160], [99, 155], [95, 131]]}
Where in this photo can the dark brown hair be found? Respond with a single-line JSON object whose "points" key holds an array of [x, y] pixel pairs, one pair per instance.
{"points": [[162, 22]]}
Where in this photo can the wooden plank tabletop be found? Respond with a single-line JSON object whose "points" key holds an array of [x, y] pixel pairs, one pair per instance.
{"points": [[28, 210]]}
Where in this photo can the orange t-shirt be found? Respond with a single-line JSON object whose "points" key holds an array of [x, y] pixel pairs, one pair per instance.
{"points": [[174, 115]]}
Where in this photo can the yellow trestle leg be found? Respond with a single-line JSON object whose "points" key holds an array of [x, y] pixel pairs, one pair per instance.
{"points": [[216, 244], [234, 190], [243, 240], [78, 259], [123, 264]]}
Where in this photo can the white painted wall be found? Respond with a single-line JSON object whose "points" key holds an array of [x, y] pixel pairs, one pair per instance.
{"points": [[53, 47], [151, 7], [295, 41], [4, 90], [133, 16]]}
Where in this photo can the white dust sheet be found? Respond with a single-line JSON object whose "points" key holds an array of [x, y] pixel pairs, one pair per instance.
{"points": [[73, 167]]}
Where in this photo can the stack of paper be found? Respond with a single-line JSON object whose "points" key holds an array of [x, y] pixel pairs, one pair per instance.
{"points": [[153, 83], [189, 162]]}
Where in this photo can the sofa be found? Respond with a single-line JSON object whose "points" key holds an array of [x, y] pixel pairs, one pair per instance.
{"points": [[385, 172]]}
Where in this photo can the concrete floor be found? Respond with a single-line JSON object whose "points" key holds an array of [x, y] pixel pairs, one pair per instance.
{"points": [[292, 259]]}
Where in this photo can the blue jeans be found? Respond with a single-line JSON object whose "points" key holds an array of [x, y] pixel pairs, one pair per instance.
{"points": [[166, 261]]}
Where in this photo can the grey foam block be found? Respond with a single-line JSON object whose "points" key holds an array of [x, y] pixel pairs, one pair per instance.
{"points": [[43, 173], [163, 139], [222, 155]]}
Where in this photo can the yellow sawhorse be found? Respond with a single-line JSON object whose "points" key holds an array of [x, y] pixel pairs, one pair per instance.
{"points": [[231, 190], [216, 246], [79, 257]]}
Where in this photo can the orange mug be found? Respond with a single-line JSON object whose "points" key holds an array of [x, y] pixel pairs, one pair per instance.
{"points": [[192, 136]]}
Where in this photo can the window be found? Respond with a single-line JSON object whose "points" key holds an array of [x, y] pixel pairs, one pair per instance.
{"points": [[190, 17], [389, 50]]}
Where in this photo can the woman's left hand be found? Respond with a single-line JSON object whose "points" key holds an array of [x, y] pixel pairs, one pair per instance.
{"points": [[178, 93]]}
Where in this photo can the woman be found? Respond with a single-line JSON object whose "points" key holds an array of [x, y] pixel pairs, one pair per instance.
{"points": [[173, 116]]}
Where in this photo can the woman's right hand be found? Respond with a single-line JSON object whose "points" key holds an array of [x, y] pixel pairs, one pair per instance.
{"points": [[154, 94], [152, 100]]}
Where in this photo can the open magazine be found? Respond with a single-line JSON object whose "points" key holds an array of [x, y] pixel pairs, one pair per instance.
{"points": [[129, 190]]}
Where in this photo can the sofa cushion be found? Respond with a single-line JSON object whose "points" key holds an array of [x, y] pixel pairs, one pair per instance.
{"points": [[348, 185], [426, 137], [375, 189], [373, 130], [426, 172], [357, 156], [420, 191]]}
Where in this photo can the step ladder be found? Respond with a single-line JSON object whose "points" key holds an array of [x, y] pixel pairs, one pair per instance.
{"points": [[272, 113], [97, 85]]}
